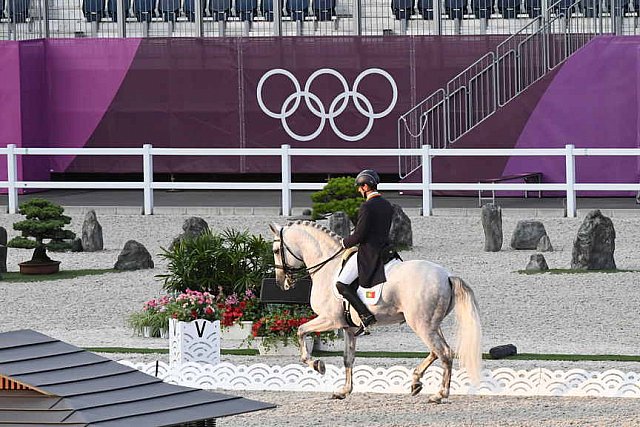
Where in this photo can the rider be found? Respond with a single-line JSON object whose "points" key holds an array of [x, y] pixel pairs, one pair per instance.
{"points": [[372, 236]]}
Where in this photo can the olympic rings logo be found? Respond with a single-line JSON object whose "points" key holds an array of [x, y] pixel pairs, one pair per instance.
{"points": [[337, 106]]}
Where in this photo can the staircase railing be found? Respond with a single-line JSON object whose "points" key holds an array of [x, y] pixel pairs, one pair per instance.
{"points": [[495, 79]]}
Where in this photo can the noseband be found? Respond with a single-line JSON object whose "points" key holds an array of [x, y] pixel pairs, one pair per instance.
{"points": [[294, 273]]}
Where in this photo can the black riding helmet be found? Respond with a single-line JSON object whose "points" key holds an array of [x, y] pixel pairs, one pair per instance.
{"points": [[368, 176]]}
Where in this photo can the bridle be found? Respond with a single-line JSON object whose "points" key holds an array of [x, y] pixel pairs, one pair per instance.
{"points": [[294, 273]]}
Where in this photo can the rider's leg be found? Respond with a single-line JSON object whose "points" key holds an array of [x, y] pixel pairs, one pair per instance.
{"points": [[350, 294], [347, 289]]}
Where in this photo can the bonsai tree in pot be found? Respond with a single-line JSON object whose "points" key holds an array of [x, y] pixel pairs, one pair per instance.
{"points": [[45, 221]]}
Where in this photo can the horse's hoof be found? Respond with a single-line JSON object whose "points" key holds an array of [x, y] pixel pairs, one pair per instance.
{"points": [[435, 399], [338, 396], [416, 388], [318, 365]]}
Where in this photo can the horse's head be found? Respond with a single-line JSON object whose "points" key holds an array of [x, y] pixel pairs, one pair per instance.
{"points": [[287, 262]]}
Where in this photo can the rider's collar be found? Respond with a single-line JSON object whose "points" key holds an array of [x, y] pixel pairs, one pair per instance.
{"points": [[372, 195]]}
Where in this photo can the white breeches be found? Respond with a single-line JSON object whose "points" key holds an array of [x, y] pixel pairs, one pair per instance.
{"points": [[350, 271]]}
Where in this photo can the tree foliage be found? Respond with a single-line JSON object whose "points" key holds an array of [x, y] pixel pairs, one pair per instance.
{"points": [[339, 194], [44, 221]]}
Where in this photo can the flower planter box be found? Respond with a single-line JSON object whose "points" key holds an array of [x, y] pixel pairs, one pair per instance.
{"points": [[238, 331], [196, 341], [335, 345]]}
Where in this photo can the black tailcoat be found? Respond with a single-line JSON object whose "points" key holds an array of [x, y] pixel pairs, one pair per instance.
{"points": [[372, 236]]}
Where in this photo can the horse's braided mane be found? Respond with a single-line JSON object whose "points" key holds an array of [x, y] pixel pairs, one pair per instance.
{"points": [[315, 225]]}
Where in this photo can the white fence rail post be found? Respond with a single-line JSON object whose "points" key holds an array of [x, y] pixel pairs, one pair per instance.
{"points": [[286, 180], [147, 171], [570, 162], [427, 201], [12, 177]]}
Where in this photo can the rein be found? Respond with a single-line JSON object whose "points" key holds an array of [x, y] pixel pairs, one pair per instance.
{"points": [[294, 273]]}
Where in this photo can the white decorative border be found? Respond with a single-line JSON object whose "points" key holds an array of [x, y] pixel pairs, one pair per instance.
{"points": [[396, 379]]}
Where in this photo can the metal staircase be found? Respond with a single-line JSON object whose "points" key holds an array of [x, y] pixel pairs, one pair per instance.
{"points": [[495, 79]]}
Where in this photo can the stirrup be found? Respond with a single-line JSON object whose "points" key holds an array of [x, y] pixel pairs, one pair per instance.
{"points": [[364, 322]]}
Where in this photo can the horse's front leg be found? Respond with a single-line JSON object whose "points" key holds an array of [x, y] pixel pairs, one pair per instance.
{"points": [[319, 324], [349, 356]]}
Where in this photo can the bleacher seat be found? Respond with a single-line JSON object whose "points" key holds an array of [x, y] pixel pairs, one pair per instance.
{"points": [[298, 10], [266, 8], [402, 9], [482, 9], [246, 10], [425, 8], [18, 10], [169, 9], [455, 8], [534, 8], [189, 7], [143, 10], [509, 9], [93, 10], [564, 7], [220, 10], [324, 10], [112, 9]]}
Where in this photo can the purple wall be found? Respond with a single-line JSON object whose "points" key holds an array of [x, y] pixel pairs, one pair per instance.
{"points": [[10, 117]]}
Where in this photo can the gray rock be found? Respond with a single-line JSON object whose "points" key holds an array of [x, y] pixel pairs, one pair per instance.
{"points": [[76, 245], [3, 250], [544, 245], [595, 243], [527, 234], [492, 225], [192, 227], [340, 223], [91, 233], [134, 256], [307, 212], [537, 263], [400, 234]]}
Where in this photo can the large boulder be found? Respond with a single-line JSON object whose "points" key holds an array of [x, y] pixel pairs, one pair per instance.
{"points": [[544, 245], [91, 233], [537, 263], [492, 224], [527, 234], [595, 243], [340, 224], [3, 250], [400, 233], [134, 256], [192, 227]]}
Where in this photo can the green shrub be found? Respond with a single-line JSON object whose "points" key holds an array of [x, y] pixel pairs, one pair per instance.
{"points": [[339, 194], [228, 262]]}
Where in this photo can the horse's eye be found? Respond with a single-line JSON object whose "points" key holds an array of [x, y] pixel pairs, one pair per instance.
{"points": [[275, 251]]}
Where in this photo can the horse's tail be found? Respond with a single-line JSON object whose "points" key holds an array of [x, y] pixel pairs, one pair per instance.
{"points": [[469, 330]]}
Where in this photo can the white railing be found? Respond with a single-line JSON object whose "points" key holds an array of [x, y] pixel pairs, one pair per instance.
{"points": [[286, 153]]}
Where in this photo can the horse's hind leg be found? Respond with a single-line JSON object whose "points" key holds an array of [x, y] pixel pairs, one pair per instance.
{"points": [[439, 350]]}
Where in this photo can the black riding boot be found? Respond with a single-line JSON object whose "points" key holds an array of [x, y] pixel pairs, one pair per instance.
{"points": [[366, 317]]}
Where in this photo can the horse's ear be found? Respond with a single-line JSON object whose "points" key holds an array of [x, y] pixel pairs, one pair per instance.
{"points": [[275, 228]]}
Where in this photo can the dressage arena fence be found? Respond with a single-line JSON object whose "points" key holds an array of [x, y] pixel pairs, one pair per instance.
{"points": [[396, 379], [286, 153]]}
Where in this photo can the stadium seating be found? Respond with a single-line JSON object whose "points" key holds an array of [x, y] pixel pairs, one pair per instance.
{"points": [[220, 10], [246, 10], [112, 9], [18, 10], [143, 10], [425, 8], [169, 9], [455, 8], [93, 10], [266, 8], [297, 9], [402, 9], [533, 7], [509, 9], [482, 9], [324, 10]]}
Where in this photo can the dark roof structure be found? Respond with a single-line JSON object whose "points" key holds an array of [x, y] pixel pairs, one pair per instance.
{"points": [[44, 381]]}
